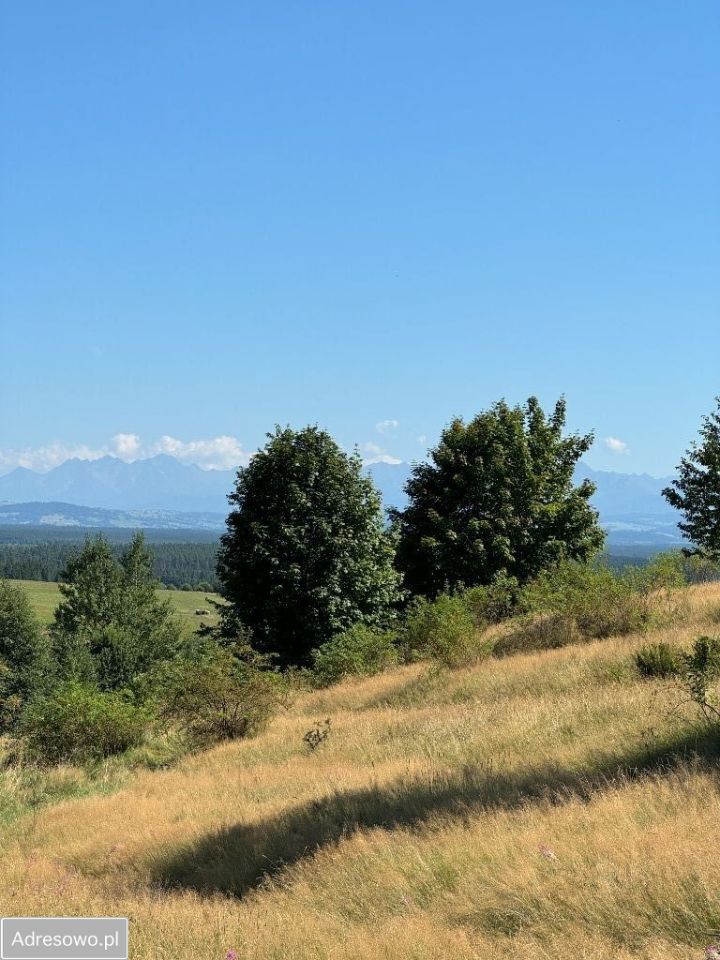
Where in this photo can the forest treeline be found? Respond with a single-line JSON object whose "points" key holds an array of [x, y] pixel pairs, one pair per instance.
{"points": [[174, 564]]}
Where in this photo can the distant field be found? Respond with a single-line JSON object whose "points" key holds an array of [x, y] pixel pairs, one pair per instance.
{"points": [[45, 597]]}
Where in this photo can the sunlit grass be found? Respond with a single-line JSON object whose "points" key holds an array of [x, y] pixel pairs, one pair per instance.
{"points": [[526, 807]]}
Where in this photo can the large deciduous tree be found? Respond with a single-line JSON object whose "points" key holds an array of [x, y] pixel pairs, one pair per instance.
{"points": [[306, 554], [696, 491], [497, 496]]}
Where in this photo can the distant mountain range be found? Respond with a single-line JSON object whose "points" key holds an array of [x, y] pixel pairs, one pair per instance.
{"points": [[160, 492], [158, 483]]}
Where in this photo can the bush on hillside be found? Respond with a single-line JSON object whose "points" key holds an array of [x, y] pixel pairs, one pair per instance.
{"points": [[359, 652], [605, 603], [443, 630], [576, 602], [601, 602], [659, 660], [78, 723], [545, 631], [216, 693], [699, 569], [702, 677], [495, 602], [112, 656]]}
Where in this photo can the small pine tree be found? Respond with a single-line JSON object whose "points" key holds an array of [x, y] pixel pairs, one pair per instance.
{"points": [[24, 659], [110, 625], [696, 492]]}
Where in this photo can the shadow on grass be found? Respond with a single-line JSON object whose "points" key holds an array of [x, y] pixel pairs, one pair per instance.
{"points": [[238, 859]]}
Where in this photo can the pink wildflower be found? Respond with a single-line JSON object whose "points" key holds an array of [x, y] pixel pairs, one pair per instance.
{"points": [[549, 854], [231, 955]]}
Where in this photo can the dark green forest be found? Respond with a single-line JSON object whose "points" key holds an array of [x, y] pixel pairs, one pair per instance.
{"points": [[176, 564]]}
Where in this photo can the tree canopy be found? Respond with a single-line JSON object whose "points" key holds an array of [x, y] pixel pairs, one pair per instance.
{"points": [[110, 624], [497, 496], [306, 554], [24, 662], [696, 492]]}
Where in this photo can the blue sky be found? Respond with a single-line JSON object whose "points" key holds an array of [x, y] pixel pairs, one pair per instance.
{"points": [[215, 217]]}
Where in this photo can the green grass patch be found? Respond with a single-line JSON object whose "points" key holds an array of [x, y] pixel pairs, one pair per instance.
{"points": [[45, 597]]}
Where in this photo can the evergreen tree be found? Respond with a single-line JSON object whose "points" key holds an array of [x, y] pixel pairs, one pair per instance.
{"points": [[497, 497], [90, 587], [696, 492], [110, 625], [24, 661]]}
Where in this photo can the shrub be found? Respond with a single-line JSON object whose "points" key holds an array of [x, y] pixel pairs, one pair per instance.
{"points": [[359, 652], [702, 676], [601, 602], [659, 660], [317, 734], [699, 569], [604, 603], [495, 602], [216, 694], [78, 723], [443, 630], [546, 631]]}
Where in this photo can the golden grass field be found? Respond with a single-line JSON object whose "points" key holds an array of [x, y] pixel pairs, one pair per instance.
{"points": [[523, 808], [45, 596]]}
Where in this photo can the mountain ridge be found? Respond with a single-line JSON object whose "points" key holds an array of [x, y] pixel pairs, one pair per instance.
{"points": [[162, 491]]}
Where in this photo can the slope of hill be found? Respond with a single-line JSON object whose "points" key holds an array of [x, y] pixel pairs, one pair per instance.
{"points": [[525, 807]]}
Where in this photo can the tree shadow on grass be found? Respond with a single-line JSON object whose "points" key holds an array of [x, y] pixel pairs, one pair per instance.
{"points": [[241, 858]]}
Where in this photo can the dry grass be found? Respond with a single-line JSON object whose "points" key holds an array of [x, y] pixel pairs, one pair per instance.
{"points": [[527, 807]]}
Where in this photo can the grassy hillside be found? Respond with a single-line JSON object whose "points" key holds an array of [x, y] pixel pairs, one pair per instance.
{"points": [[45, 596], [544, 805]]}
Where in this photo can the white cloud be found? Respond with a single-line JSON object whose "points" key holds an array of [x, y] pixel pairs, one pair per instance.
{"points": [[126, 445], [377, 455], [616, 446], [386, 425], [46, 457], [219, 453], [422, 438]]}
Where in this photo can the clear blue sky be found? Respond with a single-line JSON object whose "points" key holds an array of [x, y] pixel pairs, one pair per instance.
{"points": [[219, 216]]}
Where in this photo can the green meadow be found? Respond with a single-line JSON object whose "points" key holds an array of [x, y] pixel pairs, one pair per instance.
{"points": [[45, 597]]}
